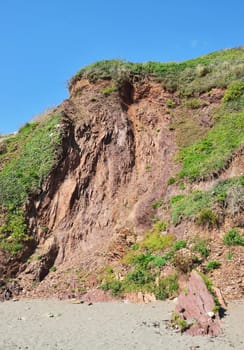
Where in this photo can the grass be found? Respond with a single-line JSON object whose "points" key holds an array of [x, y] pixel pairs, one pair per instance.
{"points": [[36, 145], [27, 158], [157, 204], [178, 322], [108, 90], [143, 264], [199, 205], [201, 246], [212, 265], [211, 153], [201, 155], [179, 245], [232, 238], [217, 69], [13, 233]]}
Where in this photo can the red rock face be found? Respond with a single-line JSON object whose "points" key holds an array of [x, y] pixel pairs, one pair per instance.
{"points": [[196, 305]]}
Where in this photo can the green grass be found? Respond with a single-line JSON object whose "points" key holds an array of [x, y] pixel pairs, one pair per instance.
{"points": [[201, 246], [34, 160], [143, 264], [13, 233], [179, 245], [217, 69], [27, 158], [157, 204], [212, 265], [233, 237], [199, 205], [108, 90], [211, 153]]}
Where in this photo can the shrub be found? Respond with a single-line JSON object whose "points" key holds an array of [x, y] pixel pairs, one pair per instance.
{"points": [[184, 260], [226, 193], [114, 286], [171, 181], [142, 260], [156, 241], [207, 217], [193, 103], [167, 287], [200, 246], [159, 261], [159, 226], [138, 278], [234, 91], [232, 237]]}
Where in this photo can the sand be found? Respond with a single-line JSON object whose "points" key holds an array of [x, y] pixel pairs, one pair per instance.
{"points": [[52, 324]]}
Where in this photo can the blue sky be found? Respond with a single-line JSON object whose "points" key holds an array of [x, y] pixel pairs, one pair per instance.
{"points": [[44, 42]]}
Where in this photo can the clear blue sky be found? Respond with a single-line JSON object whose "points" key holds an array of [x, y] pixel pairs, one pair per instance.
{"points": [[44, 42]]}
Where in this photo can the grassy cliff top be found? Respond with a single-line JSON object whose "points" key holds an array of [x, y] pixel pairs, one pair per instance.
{"points": [[216, 69]]}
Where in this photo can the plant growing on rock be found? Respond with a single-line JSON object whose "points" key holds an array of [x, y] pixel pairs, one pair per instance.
{"points": [[212, 265], [233, 237]]}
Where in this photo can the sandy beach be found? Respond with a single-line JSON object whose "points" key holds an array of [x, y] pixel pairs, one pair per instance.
{"points": [[63, 325]]}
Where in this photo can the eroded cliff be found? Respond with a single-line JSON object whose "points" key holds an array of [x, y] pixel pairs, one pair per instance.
{"points": [[135, 157]]}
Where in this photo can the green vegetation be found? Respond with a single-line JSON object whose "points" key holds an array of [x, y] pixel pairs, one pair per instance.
{"points": [[201, 246], [53, 269], [25, 160], [217, 69], [212, 265], [179, 245], [224, 69], [13, 231], [171, 181], [229, 256], [211, 153], [207, 217], [144, 262], [157, 204], [182, 186], [156, 241], [178, 322], [108, 91], [170, 104], [199, 205], [193, 103], [234, 91], [167, 287], [232, 237]]}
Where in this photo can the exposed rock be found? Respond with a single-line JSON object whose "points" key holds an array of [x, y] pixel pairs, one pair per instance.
{"points": [[139, 297], [97, 295], [196, 307]]}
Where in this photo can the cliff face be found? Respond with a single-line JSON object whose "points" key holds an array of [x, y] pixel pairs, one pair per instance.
{"points": [[113, 177]]}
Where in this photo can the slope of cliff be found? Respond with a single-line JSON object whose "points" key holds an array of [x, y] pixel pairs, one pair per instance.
{"points": [[129, 184]]}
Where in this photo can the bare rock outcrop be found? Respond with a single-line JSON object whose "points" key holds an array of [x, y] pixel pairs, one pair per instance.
{"points": [[196, 306]]}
